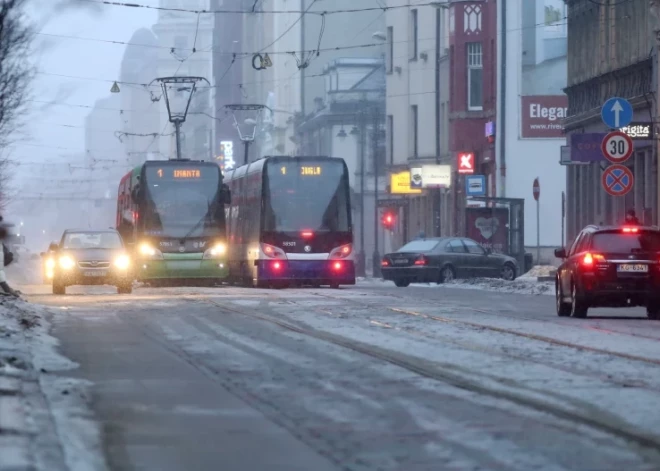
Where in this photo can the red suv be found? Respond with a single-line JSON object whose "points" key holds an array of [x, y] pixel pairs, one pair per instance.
{"points": [[610, 267]]}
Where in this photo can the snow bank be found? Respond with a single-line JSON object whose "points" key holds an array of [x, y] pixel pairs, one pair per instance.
{"points": [[522, 285], [540, 270], [28, 351]]}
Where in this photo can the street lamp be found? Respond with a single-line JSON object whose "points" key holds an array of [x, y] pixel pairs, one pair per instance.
{"points": [[247, 138], [178, 93]]}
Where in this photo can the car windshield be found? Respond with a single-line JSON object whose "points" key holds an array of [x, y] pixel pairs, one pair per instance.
{"points": [[419, 246], [92, 240], [618, 242]]}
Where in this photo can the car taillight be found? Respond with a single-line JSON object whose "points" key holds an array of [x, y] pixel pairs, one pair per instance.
{"points": [[384, 263], [630, 230], [337, 266], [277, 266], [421, 261], [272, 252], [341, 252], [590, 258], [307, 234]]}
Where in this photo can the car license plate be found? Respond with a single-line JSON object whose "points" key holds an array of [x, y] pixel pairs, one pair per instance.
{"points": [[633, 268], [401, 261], [95, 273]]}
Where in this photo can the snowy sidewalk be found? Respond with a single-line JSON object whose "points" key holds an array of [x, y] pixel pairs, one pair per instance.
{"points": [[526, 284], [45, 423]]}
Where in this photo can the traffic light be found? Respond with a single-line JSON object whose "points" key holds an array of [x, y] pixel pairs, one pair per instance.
{"points": [[389, 219]]}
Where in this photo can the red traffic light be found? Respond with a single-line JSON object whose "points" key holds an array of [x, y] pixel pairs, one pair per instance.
{"points": [[389, 219]]}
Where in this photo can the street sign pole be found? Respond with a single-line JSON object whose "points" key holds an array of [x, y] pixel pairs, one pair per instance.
{"points": [[563, 216], [536, 191]]}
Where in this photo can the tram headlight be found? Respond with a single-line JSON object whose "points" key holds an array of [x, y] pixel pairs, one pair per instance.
{"points": [[341, 252], [218, 250], [147, 250]]}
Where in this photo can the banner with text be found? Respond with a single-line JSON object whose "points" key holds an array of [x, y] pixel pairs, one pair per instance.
{"points": [[542, 116]]}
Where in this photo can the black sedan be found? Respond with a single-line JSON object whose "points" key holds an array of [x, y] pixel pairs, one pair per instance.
{"points": [[86, 257], [438, 260]]}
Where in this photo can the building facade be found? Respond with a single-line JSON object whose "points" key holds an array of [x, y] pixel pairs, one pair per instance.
{"points": [[227, 86], [140, 116], [611, 54], [532, 105]]}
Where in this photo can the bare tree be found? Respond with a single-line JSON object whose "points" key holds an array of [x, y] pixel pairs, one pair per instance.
{"points": [[16, 73]]}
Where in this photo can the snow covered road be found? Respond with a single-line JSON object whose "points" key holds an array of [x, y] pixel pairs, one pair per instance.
{"points": [[367, 378]]}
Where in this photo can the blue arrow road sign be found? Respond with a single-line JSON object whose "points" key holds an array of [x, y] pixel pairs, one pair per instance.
{"points": [[616, 113], [475, 185]]}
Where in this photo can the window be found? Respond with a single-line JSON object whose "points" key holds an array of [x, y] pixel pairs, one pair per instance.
{"points": [[616, 242], [390, 139], [413, 35], [419, 246], [473, 247], [475, 77], [455, 246], [390, 49], [415, 130]]}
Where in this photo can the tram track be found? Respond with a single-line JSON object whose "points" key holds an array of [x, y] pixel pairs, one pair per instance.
{"points": [[503, 330], [558, 406]]}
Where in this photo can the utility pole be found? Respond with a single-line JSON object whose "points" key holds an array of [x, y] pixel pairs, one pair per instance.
{"points": [[361, 254], [178, 93], [376, 255]]}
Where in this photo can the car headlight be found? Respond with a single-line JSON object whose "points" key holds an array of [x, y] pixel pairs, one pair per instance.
{"points": [[216, 251], [148, 250], [50, 263], [67, 262], [122, 262]]}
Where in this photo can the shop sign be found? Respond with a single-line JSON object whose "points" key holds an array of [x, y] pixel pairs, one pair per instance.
{"points": [[430, 176], [226, 156], [638, 130], [400, 184]]}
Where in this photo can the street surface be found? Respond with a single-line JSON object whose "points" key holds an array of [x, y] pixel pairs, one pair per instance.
{"points": [[371, 377]]}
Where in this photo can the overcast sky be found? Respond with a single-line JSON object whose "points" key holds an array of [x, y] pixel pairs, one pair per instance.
{"points": [[75, 58]]}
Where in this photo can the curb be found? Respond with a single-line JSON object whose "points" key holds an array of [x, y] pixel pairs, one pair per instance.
{"points": [[15, 452]]}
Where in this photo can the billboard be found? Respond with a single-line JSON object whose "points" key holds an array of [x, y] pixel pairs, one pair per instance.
{"points": [[541, 116], [544, 59], [400, 184], [430, 176]]}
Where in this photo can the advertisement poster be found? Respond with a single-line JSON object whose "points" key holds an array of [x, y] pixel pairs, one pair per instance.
{"points": [[489, 227]]}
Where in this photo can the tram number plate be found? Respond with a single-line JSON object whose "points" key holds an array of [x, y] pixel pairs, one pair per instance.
{"points": [[633, 268], [95, 273]]}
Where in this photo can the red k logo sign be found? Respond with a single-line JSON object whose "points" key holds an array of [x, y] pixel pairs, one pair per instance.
{"points": [[466, 162]]}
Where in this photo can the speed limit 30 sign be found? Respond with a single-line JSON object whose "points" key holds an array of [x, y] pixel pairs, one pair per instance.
{"points": [[617, 147]]}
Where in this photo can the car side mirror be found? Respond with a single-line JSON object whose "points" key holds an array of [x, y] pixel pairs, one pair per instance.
{"points": [[53, 247], [560, 253], [136, 192]]}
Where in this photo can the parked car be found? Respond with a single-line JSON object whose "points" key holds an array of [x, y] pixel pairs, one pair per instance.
{"points": [[87, 257], [610, 267], [442, 259]]}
